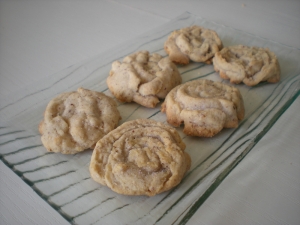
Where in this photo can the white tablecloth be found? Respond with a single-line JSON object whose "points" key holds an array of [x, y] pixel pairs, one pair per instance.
{"points": [[40, 38]]}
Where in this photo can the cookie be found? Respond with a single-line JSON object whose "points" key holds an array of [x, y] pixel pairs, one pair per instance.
{"points": [[143, 78], [75, 121], [140, 157], [250, 65], [193, 43], [204, 106]]}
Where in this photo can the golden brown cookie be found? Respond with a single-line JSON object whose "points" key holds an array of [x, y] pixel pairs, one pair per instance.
{"points": [[204, 106], [143, 78], [250, 65], [140, 157], [193, 43], [75, 121]]}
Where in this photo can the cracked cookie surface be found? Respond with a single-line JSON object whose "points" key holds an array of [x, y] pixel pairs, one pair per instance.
{"points": [[250, 65], [193, 43], [204, 106], [143, 78], [75, 121], [140, 157]]}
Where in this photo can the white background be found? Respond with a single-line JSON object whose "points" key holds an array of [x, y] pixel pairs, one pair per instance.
{"points": [[40, 38]]}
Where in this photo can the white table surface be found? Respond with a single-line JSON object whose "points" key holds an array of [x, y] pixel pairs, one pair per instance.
{"points": [[40, 38]]}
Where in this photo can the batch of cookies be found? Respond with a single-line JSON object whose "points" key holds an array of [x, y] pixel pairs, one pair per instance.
{"points": [[143, 156]]}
